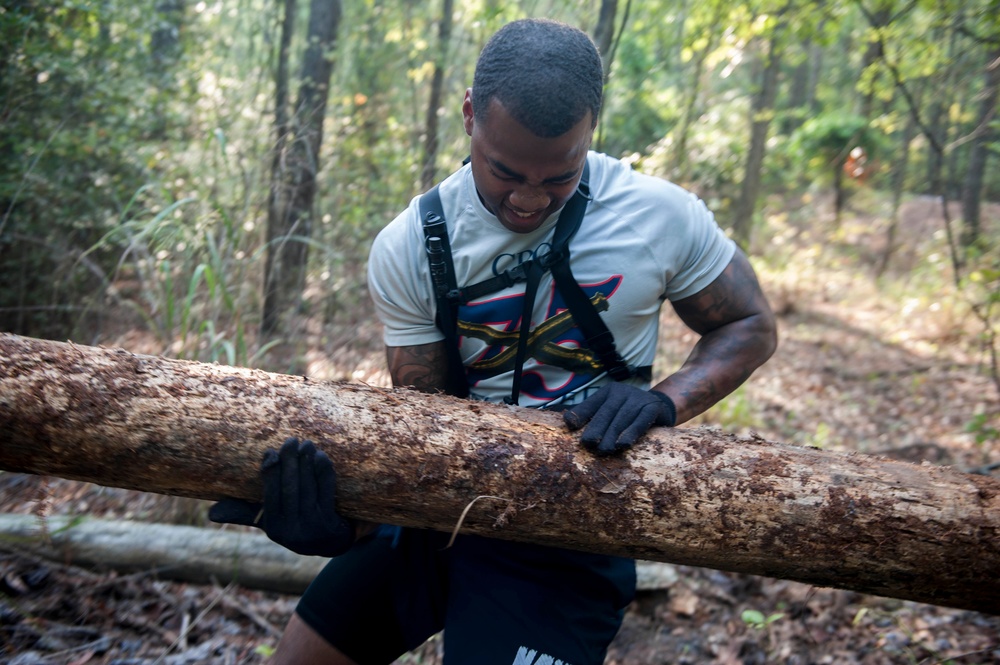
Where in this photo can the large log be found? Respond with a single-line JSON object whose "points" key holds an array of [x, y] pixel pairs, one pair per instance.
{"points": [[685, 495]]}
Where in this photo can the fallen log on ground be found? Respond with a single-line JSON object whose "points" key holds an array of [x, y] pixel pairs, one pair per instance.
{"points": [[170, 551], [192, 554], [688, 496]]}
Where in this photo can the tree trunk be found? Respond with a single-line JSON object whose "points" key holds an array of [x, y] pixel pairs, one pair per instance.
{"points": [[281, 120], [289, 223], [165, 41], [166, 50], [798, 93], [697, 70], [879, 18], [937, 126], [979, 153], [898, 180], [607, 43], [839, 190], [762, 110], [802, 88], [689, 496], [604, 34], [429, 171]]}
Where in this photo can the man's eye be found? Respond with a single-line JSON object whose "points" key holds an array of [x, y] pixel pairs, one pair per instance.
{"points": [[504, 177]]}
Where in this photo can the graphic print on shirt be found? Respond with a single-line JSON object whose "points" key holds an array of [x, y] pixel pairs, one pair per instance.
{"points": [[555, 342], [526, 656]]}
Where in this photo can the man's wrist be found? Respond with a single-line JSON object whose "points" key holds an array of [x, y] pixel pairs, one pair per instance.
{"points": [[669, 417]]}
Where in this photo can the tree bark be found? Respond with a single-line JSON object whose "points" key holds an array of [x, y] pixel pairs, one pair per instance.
{"points": [[604, 34], [289, 220], [802, 100], [898, 180], [879, 19], [762, 111], [275, 201], [972, 185], [697, 70], [428, 171], [688, 496], [166, 49]]}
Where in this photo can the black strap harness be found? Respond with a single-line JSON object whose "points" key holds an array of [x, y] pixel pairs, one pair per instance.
{"points": [[449, 296]]}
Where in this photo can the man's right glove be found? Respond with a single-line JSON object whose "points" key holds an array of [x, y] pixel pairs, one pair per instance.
{"points": [[299, 510], [618, 414]]}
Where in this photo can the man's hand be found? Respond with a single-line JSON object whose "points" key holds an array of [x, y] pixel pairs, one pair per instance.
{"points": [[299, 510], [618, 415]]}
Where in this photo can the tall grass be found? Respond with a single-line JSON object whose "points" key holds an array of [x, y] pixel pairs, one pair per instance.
{"points": [[189, 260]]}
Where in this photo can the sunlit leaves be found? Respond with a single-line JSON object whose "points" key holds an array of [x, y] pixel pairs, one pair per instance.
{"points": [[421, 73]]}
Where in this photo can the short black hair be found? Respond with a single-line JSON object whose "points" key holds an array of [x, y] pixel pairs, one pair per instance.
{"points": [[546, 74]]}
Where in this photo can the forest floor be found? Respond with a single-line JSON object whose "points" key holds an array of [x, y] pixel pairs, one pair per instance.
{"points": [[881, 365]]}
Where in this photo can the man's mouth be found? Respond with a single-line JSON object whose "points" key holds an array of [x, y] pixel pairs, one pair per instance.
{"points": [[525, 219], [521, 221]]}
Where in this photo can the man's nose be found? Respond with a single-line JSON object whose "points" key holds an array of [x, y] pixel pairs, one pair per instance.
{"points": [[529, 199]]}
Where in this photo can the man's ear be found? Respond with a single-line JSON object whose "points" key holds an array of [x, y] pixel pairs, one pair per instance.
{"points": [[467, 114]]}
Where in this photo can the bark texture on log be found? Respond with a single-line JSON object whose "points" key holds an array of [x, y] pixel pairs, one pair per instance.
{"points": [[689, 496]]}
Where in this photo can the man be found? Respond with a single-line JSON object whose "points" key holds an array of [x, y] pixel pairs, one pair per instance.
{"points": [[530, 115]]}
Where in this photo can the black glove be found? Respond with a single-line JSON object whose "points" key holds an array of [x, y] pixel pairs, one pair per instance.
{"points": [[299, 510], [618, 415]]}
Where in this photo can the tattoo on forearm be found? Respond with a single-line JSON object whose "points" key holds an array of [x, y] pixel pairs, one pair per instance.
{"points": [[719, 364]]}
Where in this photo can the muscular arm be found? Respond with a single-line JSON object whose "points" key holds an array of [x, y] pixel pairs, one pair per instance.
{"points": [[422, 367], [738, 335]]}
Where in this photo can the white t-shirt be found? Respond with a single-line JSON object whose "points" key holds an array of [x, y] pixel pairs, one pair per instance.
{"points": [[643, 240]]}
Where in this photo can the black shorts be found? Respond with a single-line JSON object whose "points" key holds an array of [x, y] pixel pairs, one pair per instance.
{"points": [[498, 602]]}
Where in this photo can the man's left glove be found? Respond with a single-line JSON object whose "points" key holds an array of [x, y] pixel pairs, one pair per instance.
{"points": [[618, 414], [299, 510]]}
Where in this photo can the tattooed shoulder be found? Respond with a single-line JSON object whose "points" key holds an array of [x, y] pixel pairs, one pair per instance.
{"points": [[734, 295], [422, 367]]}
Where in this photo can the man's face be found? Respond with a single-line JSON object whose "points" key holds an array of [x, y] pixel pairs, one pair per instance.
{"points": [[523, 178]]}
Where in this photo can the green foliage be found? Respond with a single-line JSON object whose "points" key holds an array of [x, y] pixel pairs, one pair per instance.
{"points": [[715, 154], [735, 413], [825, 142], [183, 271], [984, 428], [637, 111], [265, 650], [127, 199], [757, 620], [820, 438], [72, 88], [760, 622]]}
